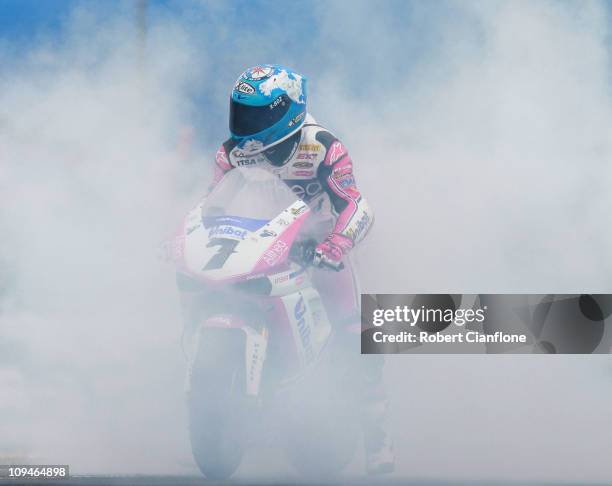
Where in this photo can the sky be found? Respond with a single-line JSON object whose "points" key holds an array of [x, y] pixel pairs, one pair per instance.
{"points": [[480, 136]]}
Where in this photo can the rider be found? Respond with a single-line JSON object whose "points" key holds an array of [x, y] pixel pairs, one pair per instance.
{"points": [[271, 128]]}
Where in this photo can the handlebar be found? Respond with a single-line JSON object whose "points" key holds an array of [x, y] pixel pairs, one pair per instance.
{"points": [[304, 253]]}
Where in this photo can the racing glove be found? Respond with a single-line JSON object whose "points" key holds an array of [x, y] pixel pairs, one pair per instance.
{"points": [[329, 253]]}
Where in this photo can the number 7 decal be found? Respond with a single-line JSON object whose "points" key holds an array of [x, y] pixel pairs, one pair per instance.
{"points": [[226, 249]]}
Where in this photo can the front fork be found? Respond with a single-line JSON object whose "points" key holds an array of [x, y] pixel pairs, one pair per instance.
{"points": [[305, 315], [255, 348]]}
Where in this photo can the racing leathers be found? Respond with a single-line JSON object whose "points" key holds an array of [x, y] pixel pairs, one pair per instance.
{"points": [[319, 169]]}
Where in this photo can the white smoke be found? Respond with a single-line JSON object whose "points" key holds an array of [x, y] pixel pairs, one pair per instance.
{"points": [[486, 164], [494, 149], [90, 171], [487, 167]]}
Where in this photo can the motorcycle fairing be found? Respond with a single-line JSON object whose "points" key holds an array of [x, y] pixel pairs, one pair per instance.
{"points": [[254, 350], [239, 248], [308, 322]]}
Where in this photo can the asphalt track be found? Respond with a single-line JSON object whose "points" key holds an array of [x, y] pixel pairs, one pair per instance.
{"points": [[200, 481]]}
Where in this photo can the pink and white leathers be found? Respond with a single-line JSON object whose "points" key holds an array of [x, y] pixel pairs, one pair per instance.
{"points": [[319, 169]]}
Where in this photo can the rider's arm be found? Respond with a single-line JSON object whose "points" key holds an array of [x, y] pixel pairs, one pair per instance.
{"points": [[354, 216], [222, 166]]}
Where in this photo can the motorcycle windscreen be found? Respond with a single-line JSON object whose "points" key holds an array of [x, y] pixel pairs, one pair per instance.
{"points": [[246, 225]]}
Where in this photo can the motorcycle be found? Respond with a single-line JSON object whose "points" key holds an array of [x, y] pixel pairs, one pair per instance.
{"points": [[260, 361]]}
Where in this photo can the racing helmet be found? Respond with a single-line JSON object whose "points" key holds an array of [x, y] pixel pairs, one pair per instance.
{"points": [[267, 106]]}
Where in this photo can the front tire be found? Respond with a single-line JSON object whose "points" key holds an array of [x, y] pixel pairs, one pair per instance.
{"points": [[217, 402]]}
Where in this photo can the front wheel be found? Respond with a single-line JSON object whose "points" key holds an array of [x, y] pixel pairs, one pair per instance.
{"points": [[217, 402], [323, 427]]}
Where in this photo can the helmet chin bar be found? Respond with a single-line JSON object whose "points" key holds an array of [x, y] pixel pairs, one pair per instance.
{"points": [[260, 147]]}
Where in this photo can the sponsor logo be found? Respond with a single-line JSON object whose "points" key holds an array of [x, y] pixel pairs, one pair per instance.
{"points": [[296, 119], [335, 152], [221, 158], [257, 73], [306, 190], [267, 233], [346, 181], [298, 211], [281, 279], [341, 171], [310, 147], [245, 88], [247, 152], [303, 165], [244, 162], [355, 232], [272, 255], [304, 173], [299, 312], [276, 102], [253, 374], [282, 222], [306, 156], [227, 231]]}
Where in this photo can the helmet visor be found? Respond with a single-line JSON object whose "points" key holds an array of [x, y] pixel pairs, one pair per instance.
{"points": [[247, 120]]}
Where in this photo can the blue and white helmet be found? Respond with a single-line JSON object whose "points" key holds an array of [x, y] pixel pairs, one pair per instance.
{"points": [[268, 105]]}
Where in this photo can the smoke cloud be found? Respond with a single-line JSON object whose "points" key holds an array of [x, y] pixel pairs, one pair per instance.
{"points": [[479, 132]]}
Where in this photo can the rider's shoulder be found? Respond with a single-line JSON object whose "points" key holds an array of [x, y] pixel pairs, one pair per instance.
{"points": [[222, 156], [315, 136], [228, 154], [330, 148]]}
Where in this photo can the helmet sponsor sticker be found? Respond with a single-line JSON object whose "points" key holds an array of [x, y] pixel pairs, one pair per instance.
{"points": [[296, 119], [245, 88], [257, 73], [277, 102]]}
